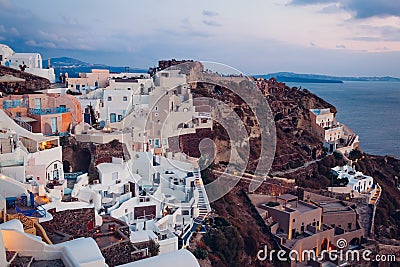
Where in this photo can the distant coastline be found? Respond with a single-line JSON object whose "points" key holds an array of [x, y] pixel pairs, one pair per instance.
{"points": [[315, 78], [298, 79]]}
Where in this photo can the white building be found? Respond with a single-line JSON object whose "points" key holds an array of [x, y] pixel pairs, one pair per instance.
{"points": [[148, 193], [30, 62], [358, 182], [77, 252], [86, 82], [31, 158], [336, 136]]}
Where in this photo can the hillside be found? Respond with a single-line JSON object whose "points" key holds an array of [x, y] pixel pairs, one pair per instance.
{"points": [[75, 66], [230, 242]]}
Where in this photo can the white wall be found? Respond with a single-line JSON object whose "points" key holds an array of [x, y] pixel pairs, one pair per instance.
{"points": [[168, 245]]}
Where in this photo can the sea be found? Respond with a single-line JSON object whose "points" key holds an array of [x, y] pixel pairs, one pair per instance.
{"points": [[370, 109]]}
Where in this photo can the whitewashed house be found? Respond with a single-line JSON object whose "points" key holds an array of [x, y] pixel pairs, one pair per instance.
{"points": [[30, 62]]}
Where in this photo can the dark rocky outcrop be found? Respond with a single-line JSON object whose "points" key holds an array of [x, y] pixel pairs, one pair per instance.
{"points": [[86, 156], [32, 82]]}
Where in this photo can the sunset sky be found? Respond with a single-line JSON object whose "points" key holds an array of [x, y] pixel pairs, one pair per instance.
{"points": [[342, 37]]}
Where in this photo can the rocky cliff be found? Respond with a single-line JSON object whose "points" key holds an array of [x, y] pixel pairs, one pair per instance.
{"points": [[32, 82], [295, 146]]}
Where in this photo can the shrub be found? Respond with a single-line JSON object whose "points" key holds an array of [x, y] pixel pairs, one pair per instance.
{"points": [[355, 154], [154, 248], [200, 253]]}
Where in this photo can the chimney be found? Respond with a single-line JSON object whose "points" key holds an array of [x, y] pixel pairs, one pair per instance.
{"points": [[48, 63]]}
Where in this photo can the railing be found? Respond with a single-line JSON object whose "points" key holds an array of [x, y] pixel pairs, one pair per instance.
{"points": [[44, 111], [72, 175], [14, 104], [23, 123], [63, 133], [9, 113]]}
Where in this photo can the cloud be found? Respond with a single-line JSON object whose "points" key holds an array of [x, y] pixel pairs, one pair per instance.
{"points": [[209, 13], [5, 4], [2, 28], [341, 46], [14, 31], [360, 9], [211, 23], [373, 8], [41, 44], [378, 34]]}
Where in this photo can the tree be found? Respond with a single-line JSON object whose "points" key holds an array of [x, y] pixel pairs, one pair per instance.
{"points": [[355, 154], [200, 253], [154, 248]]}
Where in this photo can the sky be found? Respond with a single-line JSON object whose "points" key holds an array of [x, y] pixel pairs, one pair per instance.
{"points": [[333, 37]]}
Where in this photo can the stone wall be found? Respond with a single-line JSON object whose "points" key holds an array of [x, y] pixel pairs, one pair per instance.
{"points": [[118, 253], [32, 82], [77, 223]]}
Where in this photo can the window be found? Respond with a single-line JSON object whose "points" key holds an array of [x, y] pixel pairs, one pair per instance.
{"points": [[349, 226], [156, 114], [294, 220], [109, 98], [119, 117], [55, 165], [150, 141], [115, 176], [38, 103], [156, 108], [125, 98]]}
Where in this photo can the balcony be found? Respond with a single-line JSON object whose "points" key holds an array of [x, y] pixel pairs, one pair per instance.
{"points": [[14, 104], [45, 111]]}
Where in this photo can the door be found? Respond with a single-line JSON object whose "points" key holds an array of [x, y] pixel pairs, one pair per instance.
{"points": [[56, 175], [53, 125], [113, 117]]}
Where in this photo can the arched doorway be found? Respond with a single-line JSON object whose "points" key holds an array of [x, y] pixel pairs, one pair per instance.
{"points": [[66, 166]]}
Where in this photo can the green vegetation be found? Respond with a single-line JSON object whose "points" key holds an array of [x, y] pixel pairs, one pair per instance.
{"points": [[355, 154], [226, 243], [200, 253], [154, 248]]}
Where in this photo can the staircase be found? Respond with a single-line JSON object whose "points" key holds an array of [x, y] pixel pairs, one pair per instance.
{"points": [[203, 204]]}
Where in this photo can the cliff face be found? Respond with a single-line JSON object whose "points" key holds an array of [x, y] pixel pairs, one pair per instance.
{"points": [[295, 142], [86, 156], [386, 172], [296, 145], [32, 82]]}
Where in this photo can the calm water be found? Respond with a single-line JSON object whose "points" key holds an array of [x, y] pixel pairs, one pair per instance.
{"points": [[370, 109]]}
